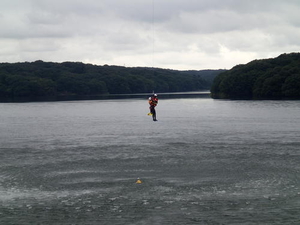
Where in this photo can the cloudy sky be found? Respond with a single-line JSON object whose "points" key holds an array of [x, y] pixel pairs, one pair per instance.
{"points": [[174, 34]]}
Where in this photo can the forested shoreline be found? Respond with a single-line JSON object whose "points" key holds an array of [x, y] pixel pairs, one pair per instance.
{"points": [[275, 78], [46, 79]]}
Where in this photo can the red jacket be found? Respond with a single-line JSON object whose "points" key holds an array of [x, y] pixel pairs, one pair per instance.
{"points": [[153, 101]]}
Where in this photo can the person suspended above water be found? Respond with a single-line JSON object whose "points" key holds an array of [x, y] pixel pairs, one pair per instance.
{"points": [[153, 101]]}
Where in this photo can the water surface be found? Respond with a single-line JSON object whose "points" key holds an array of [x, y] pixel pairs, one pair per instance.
{"points": [[204, 162]]}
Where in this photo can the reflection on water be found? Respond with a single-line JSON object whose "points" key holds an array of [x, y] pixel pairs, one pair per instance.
{"points": [[204, 162]]}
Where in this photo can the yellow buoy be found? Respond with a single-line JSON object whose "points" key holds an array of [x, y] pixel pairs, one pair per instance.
{"points": [[138, 181], [149, 114]]}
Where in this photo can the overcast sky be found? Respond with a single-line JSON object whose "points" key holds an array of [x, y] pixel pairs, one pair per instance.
{"points": [[174, 34]]}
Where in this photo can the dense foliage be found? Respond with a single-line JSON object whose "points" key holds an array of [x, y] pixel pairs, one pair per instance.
{"points": [[276, 78], [73, 78]]}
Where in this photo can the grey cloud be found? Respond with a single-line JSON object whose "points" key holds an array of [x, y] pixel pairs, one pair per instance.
{"points": [[223, 18], [175, 33], [45, 18]]}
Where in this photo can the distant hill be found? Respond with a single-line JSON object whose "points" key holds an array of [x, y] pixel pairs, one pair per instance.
{"points": [[276, 78], [36, 79], [207, 75]]}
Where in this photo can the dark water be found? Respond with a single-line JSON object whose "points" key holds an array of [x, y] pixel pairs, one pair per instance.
{"points": [[204, 162]]}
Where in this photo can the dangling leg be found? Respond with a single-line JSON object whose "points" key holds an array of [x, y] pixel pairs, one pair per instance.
{"points": [[150, 113], [152, 110], [154, 114]]}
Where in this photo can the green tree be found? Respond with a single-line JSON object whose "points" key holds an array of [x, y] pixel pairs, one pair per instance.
{"points": [[269, 78], [291, 86]]}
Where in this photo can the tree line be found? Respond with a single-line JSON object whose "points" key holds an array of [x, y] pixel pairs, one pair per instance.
{"points": [[39, 78], [275, 78]]}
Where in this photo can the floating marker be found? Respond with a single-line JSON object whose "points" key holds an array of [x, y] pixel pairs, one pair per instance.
{"points": [[138, 181]]}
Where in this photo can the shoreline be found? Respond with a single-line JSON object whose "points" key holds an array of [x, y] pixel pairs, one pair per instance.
{"points": [[168, 95]]}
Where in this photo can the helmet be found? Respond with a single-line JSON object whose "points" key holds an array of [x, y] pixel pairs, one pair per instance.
{"points": [[155, 95], [149, 98]]}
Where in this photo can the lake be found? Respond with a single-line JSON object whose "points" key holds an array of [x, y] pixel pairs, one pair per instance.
{"points": [[204, 161]]}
